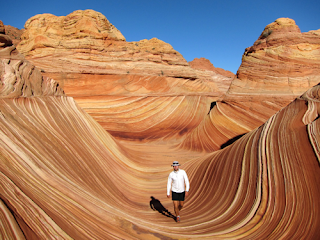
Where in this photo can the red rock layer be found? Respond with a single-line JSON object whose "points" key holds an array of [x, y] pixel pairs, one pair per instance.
{"points": [[63, 176], [92, 61], [205, 64], [14, 34]]}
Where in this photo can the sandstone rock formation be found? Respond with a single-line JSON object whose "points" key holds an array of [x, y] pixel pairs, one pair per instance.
{"points": [[19, 77], [14, 34], [294, 58], [281, 65], [205, 64], [84, 42], [107, 75], [62, 176]]}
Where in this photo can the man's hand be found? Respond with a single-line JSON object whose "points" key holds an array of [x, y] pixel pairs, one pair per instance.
{"points": [[186, 194], [168, 196]]}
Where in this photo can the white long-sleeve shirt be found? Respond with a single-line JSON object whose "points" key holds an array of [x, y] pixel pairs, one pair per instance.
{"points": [[176, 182]]}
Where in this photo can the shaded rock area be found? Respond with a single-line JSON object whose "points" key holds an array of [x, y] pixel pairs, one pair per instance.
{"points": [[14, 34]]}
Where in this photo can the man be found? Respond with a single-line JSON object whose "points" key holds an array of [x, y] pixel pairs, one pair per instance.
{"points": [[178, 182]]}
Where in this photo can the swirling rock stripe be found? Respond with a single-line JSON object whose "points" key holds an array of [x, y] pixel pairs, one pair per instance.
{"points": [[147, 117], [276, 173], [66, 177], [20, 78], [9, 228], [230, 119], [51, 154]]}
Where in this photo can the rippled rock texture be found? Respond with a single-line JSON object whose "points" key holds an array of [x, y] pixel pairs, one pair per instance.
{"points": [[135, 90], [63, 176]]}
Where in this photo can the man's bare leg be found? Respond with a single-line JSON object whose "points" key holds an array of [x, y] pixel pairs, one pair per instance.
{"points": [[181, 205], [176, 207]]}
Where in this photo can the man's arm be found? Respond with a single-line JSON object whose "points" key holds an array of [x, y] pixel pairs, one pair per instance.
{"points": [[169, 185], [187, 183]]}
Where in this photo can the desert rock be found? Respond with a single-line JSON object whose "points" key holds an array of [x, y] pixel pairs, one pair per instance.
{"points": [[62, 175], [20, 78], [294, 58], [205, 64], [280, 66], [102, 72]]}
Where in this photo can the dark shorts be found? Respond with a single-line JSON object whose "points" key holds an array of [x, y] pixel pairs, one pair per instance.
{"points": [[178, 196]]}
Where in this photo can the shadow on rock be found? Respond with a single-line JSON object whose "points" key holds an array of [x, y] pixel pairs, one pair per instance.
{"points": [[230, 141], [155, 204]]}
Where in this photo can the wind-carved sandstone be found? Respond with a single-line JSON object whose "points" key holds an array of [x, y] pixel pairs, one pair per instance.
{"points": [[19, 78], [147, 82], [63, 176], [281, 65]]}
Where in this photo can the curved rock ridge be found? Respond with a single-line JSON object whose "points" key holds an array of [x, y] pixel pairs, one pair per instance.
{"points": [[229, 119], [275, 172], [280, 66], [19, 78], [282, 61], [63, 176], [146, 118]]}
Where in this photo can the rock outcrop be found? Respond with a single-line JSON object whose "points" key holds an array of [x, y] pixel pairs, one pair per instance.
{"points": [[280, 66], [282, 61], [14, 34], [105, 74], [85, 42], [63, 176], [205, 64], [19, 78]]}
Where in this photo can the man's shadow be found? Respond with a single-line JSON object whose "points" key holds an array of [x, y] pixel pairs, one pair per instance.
{"points": [[155, 204]]}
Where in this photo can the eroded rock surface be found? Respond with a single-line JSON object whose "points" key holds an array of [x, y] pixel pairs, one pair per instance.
{"points": [[106, 75], [281, 65], [282, 61], [19, 78], [205, 64], [63, 176]]}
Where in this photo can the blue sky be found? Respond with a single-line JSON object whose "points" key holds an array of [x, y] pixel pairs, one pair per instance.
{"points": [[217, 30]]}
